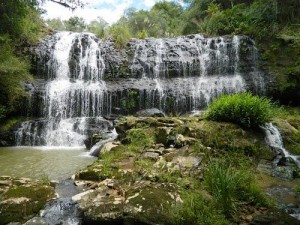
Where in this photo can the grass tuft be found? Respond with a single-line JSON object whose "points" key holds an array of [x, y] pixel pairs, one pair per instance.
{"points": [[245, 109]]}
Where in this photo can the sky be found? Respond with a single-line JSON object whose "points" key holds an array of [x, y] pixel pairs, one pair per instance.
{"points": [[109, 10]]}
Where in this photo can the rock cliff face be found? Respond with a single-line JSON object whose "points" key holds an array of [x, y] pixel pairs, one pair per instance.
{"points": [[82, 76]]}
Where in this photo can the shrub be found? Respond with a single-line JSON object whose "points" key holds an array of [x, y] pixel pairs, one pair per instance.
{"points": [[2, 112], [245, 109], [120, 33], [13, 71]]}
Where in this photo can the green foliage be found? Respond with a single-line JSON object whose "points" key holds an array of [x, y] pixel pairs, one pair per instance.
{"points": [[245, 109], [56, 24], [139, 139], [76, 24], [163, 20], [143, 34], [45, 180], [120, 33], [228, 184], [297, 188], [13, 70], [195, 210], [2, 112], [130, 103], [98, 27], [241, 18], [20, 20]]}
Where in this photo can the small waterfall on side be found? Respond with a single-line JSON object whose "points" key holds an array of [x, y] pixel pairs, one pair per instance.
{"points": [[274, 141]]}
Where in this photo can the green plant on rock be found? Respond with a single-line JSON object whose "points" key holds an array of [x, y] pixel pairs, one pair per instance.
{"points": [[196, 210], [139, 139], [130, 103], [228, 185], [245, 109]]}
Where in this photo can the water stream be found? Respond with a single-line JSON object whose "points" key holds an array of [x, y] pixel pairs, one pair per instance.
{"points": [[274, 141]]}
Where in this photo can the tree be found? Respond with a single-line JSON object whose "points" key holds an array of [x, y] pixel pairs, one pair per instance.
{"points": [[72, 4], [56, 24], [76, 24], [98, 27]]}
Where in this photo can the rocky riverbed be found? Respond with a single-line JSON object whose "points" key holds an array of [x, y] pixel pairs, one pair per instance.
{"points": [[157, 172], [144, 177]]}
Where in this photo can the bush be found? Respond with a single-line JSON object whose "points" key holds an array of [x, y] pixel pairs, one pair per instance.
{"points": [[120, 33], [13, 71], [2, 112], [244, 109]]}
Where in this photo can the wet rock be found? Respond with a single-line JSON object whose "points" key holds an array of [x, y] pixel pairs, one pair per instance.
{"points": [[274, 217], [150, 113], [107, 147], [22, 199], [36, 221], [285, 172], [80, 196], [265, 166]]}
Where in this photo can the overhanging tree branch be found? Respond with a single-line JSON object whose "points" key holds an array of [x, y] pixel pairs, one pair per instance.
{"points": [[71, 4]]}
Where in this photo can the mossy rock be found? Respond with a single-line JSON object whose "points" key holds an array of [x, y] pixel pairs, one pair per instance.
{"points": [[231, 137], [20, 203], [290, 132], [150, 204]]}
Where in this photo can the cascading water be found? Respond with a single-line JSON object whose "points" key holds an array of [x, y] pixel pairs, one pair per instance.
{"points": [[274, 141], [87, 78], [73, 95]]}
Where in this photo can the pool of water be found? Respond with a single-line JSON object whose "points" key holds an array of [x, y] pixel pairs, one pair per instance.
{"points": [[39, 162]]}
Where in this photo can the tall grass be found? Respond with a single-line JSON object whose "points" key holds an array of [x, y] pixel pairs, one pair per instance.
{"points": [[196, 210], [229, 185], [245, 109]]}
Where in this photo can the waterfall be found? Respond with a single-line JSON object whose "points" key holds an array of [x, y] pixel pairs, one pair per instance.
{"points": [[74, 93], [274, 141], [86, 78]]}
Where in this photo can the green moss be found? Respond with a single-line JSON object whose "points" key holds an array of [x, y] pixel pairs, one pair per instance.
{"points": [[21, 202], [289, 126], [10, 123], [140, 138], [130, 103], [231, 137]]}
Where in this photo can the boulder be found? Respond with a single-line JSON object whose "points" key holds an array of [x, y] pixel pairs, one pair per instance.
{"points": [[108, 204], [22, 199], [150, 113], [107, 147], [274, 217]]}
